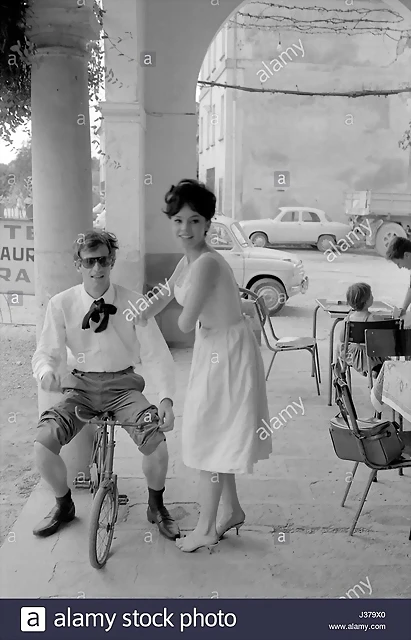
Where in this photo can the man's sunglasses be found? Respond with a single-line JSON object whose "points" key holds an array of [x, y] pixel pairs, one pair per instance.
{"points": [[88, 263]]}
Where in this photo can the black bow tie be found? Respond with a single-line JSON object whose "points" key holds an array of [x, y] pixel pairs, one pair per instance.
{"points": [[97, 308]]}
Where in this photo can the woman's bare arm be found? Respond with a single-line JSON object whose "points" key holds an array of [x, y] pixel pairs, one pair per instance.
{"points": [[407, 301], [205, 272], [160, 296]]}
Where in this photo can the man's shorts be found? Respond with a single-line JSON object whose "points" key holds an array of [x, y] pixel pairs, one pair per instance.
{"points": [[119, 392]]}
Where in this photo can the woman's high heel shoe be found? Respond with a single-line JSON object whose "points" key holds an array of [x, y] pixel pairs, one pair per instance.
{"points": [[210, 547], [232, 526]]}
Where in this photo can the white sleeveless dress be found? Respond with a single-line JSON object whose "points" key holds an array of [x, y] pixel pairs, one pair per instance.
{"points": [[226, 399]]}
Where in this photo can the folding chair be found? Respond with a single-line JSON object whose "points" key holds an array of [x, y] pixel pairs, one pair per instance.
{"points": [[277, 345], [355, 334], [394, 343], [389, 344], [348, 419]]}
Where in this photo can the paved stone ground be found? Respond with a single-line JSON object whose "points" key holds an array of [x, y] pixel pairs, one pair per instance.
{"points": [[297, 492]]}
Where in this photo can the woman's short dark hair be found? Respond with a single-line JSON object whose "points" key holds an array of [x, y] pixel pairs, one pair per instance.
{"points": [[93, 239], [397, 247], [357, 295], [193, 194]]}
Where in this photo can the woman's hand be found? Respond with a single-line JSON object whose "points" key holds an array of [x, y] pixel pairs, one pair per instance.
{"points": [[140, 319], [398, 313], [248, 308]]}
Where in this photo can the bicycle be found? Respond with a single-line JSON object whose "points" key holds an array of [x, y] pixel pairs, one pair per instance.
{"points": [[102, 484]]}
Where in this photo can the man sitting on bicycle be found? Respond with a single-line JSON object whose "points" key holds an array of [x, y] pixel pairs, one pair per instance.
{"points": [[89, 330]]}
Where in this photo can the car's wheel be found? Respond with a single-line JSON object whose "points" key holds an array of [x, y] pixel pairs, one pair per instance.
{"points": [[259, 239], [273, 293], [385, 234], [324, 242]]}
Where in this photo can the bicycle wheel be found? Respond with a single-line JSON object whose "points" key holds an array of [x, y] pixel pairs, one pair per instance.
{"points": [[102, 521]]}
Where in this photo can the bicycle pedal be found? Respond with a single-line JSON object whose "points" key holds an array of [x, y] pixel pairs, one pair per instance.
{"points": [[123, 498]]}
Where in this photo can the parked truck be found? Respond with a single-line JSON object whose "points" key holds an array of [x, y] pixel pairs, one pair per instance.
{"points": [[385, 215]]}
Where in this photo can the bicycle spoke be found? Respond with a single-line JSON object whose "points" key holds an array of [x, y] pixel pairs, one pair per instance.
{"points": [[105, 526]]}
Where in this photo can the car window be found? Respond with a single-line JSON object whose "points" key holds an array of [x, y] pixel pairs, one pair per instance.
{"points": [[327, 217], [310, 216], [219, 237], [289, 216]]}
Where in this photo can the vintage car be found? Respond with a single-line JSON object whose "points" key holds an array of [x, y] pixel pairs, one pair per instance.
{"points": [[296, 225], [276, 275]]}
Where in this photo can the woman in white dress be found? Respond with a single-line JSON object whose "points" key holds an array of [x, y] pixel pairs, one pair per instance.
{"points": [[226, 398]]}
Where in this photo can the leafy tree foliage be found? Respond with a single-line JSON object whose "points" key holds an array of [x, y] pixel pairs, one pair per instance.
{"points": [[16, 53], [15, 50], [15, 177]]}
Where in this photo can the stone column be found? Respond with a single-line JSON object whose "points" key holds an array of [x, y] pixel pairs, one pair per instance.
{"points": [[124, 130], [124, 135], [61, 152]]}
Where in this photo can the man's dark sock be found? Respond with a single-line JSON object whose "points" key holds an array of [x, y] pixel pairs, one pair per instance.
{"points": [[155, 498], [65, 501]]}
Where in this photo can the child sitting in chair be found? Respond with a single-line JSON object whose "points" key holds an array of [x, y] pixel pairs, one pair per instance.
{"points": [[360, 299]]}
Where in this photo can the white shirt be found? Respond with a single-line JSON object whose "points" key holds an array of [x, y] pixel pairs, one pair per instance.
{"points": [[64, 345]]}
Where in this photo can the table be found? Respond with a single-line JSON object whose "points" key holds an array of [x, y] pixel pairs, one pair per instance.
{"points": [[393, 387], [339, 310]]}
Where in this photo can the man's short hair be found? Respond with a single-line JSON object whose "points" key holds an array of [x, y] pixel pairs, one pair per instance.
{"points": [[92, 240], [397, 248]]}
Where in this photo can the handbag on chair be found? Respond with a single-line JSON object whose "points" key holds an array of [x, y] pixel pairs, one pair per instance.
{"points": [[378, 444]]}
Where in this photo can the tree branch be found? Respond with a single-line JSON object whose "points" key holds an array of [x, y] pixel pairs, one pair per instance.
{"points": [[341, 94], [325, 10], [335, 20]]}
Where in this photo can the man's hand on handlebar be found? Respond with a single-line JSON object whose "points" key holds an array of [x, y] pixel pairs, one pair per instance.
{"points": [[51, 382], [166, 415]]}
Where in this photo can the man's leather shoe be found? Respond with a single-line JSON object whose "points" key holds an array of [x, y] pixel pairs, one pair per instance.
{"points": [[55, 519], [166, 524]]}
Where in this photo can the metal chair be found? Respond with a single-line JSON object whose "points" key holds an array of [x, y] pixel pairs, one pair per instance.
{"points": [[349, 415], [355, 334], [283, 345], [389, 344]]}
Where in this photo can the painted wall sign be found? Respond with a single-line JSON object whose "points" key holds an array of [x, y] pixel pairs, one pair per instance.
{"points": [[16, 256]]}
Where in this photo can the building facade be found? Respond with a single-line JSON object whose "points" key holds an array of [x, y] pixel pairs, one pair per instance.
{"points": [[328, 145]]}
